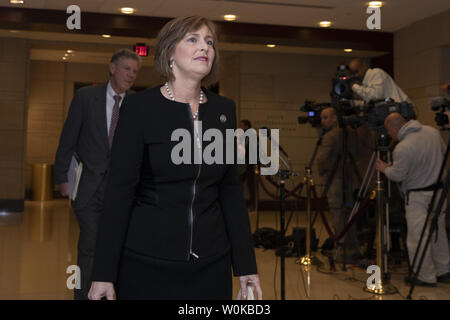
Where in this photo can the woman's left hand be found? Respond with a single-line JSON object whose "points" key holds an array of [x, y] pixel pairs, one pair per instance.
{"points": [[253, 281]]}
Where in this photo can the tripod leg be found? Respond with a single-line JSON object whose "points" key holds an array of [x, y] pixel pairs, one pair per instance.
{"points": [[431, 205], [426, 255]]}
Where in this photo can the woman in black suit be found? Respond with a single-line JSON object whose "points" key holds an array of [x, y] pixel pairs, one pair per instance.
{"points": [[173, 230]]}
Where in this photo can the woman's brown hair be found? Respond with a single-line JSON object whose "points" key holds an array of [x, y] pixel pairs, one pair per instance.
{"points": [[173, 32]]}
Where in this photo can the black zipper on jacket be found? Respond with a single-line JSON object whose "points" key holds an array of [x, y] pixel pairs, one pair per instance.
{"points": [[191, 208]]}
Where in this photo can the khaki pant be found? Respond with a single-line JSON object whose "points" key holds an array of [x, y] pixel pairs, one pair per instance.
{"points": [[340, 216], [436, 258]]}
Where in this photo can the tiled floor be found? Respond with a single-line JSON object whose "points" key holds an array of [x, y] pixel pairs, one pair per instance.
{"points": [[38, 245]]}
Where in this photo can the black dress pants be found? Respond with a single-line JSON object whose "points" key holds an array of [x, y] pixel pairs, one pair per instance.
{"points": [[88, 220]]}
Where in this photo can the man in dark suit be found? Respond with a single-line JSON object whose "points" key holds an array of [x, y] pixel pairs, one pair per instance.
{"points": [[88, 132]]}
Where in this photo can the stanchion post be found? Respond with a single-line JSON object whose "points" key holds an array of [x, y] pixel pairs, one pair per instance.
{"points": [[383, 286], [282, 232], [256, 204], [306, 260]]}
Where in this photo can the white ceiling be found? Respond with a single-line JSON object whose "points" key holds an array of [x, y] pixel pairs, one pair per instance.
{"points": [[345, 14]]}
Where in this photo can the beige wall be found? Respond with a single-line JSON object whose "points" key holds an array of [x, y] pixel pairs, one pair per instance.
{"points": [[14, 64], [421, 61]]}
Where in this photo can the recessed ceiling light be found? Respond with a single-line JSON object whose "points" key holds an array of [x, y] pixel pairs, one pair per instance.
{"points": [[69, 51], [16, 1], [375, 4], [64, 58], [325, 24], [230, 17], [106, 35], [271, 45], [348, 50], [127, 10]]}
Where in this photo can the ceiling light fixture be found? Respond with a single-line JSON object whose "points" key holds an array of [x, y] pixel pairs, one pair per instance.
{"points": [[127, 10], [230, 17], [375, 4], [106, 35], [271, 45], [16, 1], [325, 24], [348, 50], [69, 51]]}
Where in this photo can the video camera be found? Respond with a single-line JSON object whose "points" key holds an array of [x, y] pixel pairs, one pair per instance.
{"points": [[342, 83], [373, 113], [342, 93], [313, 109], [376, 111], [441, 105]]}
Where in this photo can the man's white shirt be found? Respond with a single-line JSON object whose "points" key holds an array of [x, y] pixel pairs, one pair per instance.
{"points": [[376, 85]]}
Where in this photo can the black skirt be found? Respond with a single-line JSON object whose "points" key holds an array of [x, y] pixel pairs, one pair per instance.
{"points": [[146, 278]]}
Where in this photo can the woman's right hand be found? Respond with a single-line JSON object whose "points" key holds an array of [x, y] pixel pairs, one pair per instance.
{"points": [[101, 289]]}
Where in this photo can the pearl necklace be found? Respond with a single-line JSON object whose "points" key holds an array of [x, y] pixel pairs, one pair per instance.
{"points": [[200, 101]]}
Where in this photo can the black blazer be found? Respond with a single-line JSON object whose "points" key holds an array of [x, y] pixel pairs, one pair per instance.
{"points": [[162, 210], [85, 132]]}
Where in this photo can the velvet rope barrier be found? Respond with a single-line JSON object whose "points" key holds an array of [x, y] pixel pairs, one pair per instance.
{"points": [[363, 207], [349, 224], [289, 193]]}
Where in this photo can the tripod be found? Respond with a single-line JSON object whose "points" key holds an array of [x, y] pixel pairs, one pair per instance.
{"points": [[382, 223], [347, 162], [307, 179], [283, 174], [433, 222]]}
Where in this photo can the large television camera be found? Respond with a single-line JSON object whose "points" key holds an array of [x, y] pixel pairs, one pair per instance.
{"points": [[372, 114], [441, 105], [313, 110], [376, 111], [342, 93], [342, 83], [351, 115]]}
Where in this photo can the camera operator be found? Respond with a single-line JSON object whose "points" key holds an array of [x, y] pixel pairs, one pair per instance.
{"points": [[376, 83], [330, 149], [417, 160]]}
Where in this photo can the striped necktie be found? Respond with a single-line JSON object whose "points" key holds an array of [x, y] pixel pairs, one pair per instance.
{"points": [[114, 119]]}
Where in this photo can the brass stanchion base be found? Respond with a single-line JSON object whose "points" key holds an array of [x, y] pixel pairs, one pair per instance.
{"points": [[305, 261], [308, 261], [384, 288]]}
